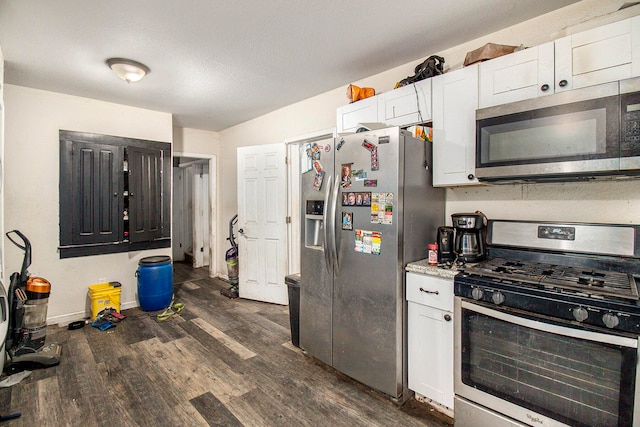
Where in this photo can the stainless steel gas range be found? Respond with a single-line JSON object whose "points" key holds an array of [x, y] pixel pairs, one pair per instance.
{"points": [[547, 327]]}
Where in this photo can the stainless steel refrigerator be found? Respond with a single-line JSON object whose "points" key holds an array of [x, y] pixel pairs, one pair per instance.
{"points": [[368, 208]]}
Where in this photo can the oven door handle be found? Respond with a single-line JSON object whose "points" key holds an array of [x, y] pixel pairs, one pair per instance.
{"points": [[558, 329]]}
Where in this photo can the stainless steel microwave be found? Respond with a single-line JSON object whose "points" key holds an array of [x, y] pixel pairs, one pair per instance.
{"points": [[579, 134]]}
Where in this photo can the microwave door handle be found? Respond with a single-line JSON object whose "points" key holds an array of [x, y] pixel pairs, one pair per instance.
{"points": [[325, 221], [336, 261]]}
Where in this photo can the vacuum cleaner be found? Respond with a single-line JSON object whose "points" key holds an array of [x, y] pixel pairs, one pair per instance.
{"points": [[27, 300], [231, 256], [4, 323]]}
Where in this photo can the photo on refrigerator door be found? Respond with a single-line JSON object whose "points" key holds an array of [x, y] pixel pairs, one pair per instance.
{"points": [[347, 220], [349, 199], [345, 177], [317, 181]]}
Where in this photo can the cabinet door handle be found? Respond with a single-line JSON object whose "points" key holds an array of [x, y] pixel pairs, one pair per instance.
{"points": [[563, 83], [429, 292], [544, 87], [447, 317]]}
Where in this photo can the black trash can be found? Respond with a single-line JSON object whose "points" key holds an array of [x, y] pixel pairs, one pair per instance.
{"points": [[293, 285]]}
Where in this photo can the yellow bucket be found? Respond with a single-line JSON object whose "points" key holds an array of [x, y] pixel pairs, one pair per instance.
{"points": [[104, 295]]}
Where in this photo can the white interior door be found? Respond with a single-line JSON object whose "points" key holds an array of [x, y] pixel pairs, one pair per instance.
{"points": [[201, 233], [177, 238], [262, 230]]}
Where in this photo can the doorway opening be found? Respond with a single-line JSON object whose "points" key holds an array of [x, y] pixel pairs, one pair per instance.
{"points": [[194, 214], [298, 157]]}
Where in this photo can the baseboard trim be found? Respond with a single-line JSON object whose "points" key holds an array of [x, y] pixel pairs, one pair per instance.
{"points": [[65, 319]]}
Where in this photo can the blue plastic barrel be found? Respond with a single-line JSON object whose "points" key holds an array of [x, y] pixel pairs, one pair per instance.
{"points": [[155, 282]]}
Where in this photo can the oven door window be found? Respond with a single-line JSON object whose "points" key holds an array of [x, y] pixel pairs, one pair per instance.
{"points": [[586, 130], [576, 381]]}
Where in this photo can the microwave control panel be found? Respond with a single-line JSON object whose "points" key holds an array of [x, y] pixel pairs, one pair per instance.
{"points": [[630, 129], [632, 126]]}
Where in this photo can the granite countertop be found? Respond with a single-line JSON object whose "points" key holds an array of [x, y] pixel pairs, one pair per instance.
{"points": [[423, 267]]}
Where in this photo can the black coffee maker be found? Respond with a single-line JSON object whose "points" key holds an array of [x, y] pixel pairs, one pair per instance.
{"points": [[470, 233]]}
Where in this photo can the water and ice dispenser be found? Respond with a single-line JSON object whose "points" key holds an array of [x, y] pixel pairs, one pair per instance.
{"points": [[314, 224]]}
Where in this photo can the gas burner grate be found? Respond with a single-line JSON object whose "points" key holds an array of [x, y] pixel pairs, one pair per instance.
{"points": [[594, 283]]}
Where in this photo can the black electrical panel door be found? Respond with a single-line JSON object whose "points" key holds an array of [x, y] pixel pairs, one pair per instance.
{"points": [[115, 194], [95, 193], [145, 193]]}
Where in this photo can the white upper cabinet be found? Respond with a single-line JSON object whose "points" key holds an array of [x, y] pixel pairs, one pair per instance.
{"points": [[604, 54], [455, 100], [600, 55], [407, 105], [404, 106], [350, 115], [521, 75]]}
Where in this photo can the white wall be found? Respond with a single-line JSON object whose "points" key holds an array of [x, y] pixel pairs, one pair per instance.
{"points": [[604, 202], [31, 170], [2, 277], [186, 140]]}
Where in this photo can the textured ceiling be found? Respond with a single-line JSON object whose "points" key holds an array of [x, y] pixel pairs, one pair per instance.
{"points": [[216, 63]]}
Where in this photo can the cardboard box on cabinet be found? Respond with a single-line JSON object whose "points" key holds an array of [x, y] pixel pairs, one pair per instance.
{"points": [[489, 51]]}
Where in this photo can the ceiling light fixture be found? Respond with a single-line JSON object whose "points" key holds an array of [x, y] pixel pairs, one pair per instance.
{"points": [[127, 69]]}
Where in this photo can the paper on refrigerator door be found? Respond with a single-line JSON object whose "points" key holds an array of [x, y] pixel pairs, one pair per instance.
{"points": [[382, 208], [368, 242]]}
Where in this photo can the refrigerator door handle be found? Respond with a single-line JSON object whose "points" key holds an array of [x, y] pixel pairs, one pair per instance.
{"points": [[334, 205], [325, 220]]}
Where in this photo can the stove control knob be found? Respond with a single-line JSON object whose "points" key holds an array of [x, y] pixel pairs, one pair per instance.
{"points": [[477, 294], [610, 320], [497, 297], [580, 314]]}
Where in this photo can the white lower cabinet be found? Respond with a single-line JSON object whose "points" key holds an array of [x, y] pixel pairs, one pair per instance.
{"points": [[430, 337]]}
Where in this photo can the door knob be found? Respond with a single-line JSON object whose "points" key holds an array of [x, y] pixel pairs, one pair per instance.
{"points": [[241, 231]]}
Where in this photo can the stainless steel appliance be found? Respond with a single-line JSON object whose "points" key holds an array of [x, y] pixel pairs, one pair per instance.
{"points": [[445, 242], [579, 134], [547, 327], [368, 209], [470, 229]]}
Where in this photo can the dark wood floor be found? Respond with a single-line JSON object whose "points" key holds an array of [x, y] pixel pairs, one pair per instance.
{"points": [[221, 362]]}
